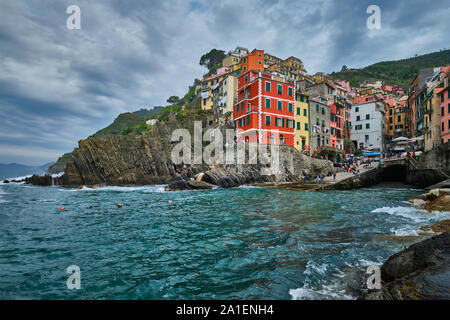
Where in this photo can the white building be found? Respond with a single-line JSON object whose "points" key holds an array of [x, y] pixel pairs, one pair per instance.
{"points": [[368, 126], [151, 122]]}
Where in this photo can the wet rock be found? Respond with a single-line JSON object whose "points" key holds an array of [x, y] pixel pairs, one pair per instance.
{"points": [[422, 271], [39, 180], [441, 203], [441, 226], [5, 181], [188, 185]]}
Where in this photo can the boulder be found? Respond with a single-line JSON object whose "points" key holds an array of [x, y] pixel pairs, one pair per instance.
{"points": [[188, 185], [441, 203], [421, 271]]}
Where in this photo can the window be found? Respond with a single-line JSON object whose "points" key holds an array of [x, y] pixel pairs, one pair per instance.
{"points": [[268, 120], [358, 118], [242, 106], [290, 107], [298, 125], [248, 119], [204, 102], [259, 62], [367, 125], [290, 92], [267, 86], [358, 127], [366, 138], [302, 98], [280, 89], [280, 105], [442, 127], [268, 103], [282, 122], [323, 110], [390, 112], [245, 69], [399, 118], [306, 126], [317, 108], [298, 111], [305, 112], [368, 117], [442, 111], [246, 77], [357, 109]]}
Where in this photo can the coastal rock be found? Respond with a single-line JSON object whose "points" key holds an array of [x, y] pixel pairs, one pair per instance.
{"points": [[188, 185], [438, 227], [419, 203], [39, 180], [422, 271], [441, 203]]}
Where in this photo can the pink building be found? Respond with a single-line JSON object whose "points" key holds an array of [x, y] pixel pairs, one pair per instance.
{"points": [[444, 94]]}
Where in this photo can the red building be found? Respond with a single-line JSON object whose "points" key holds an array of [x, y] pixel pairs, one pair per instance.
{"points": [[265, 104], [337, 113]]}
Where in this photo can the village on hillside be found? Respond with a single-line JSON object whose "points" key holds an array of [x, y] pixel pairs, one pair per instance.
{"points": [[261, 94]]}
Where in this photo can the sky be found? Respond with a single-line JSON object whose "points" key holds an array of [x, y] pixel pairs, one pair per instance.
{"points": [[60, 85]]}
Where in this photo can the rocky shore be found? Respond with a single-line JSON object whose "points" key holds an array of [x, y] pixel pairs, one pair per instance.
{"points": [[422, 271]]}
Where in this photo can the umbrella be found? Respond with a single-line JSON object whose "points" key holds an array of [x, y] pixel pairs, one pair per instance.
{"points": [[400, 139]]}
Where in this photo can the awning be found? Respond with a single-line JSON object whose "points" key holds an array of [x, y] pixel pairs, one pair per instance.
{"points": [[371, 154], [223, 100], [204, 95]]}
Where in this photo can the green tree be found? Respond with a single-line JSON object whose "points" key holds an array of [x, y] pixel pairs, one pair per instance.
{"points": [[212, 58], [173, 99]]}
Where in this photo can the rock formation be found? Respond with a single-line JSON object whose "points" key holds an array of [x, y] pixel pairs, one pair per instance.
{"points": [[422, 271]]}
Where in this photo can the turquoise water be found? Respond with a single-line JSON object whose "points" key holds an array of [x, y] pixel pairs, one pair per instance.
{"points": [[290, 245]]}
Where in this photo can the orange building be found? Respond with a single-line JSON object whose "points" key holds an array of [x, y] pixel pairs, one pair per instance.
{"points": [[254, 61]]}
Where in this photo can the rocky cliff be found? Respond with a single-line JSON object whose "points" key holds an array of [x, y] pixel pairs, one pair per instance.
{"points": [[145, 159]]}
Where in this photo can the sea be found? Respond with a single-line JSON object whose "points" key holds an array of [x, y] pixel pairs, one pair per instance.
{"points": [[239, 243]]}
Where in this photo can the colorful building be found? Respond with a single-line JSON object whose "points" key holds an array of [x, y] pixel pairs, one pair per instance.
{"points": [[337, 114], [265, 106], [254, 61], [301, 140], [444, 97], [210, 83]]}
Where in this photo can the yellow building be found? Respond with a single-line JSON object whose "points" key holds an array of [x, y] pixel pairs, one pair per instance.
{"points": [[432, 128], [301, 138], [230, 60]]}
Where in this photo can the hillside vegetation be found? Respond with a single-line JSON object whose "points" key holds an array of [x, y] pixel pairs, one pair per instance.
{"points": [[400, 72]]}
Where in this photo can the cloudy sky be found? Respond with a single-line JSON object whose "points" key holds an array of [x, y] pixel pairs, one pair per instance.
{"points": [[58, 86]]}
